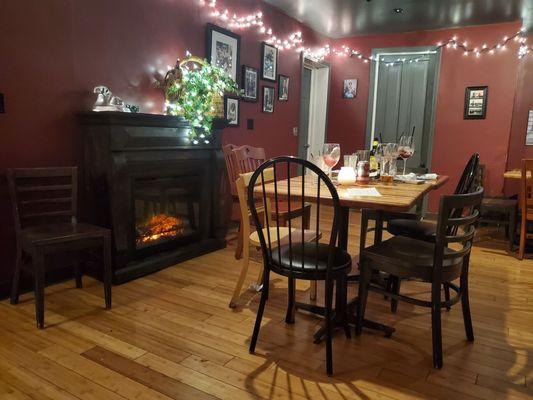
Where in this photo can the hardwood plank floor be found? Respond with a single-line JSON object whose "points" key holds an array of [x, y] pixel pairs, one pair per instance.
{"points": [[172, 335]]}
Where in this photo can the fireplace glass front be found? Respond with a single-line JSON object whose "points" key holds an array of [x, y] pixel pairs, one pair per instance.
{"points": [[166, 209]]}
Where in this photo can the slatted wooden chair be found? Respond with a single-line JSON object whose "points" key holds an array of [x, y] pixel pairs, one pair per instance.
{"points": [[299, 258], [251, 238], [433, 262], [44, 204], [526, 205]]}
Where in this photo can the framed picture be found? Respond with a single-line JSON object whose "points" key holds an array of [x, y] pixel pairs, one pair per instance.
{"points": [[268, 99], [283, 88], [231, 110], [250, 83], [223, 49], [349, 89], [476, 102], [269, 62], [529, 132]]}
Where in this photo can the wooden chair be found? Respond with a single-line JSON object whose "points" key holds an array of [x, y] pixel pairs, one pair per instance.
{"points": [[410, 225], [498, 210], [432, 262], [44, 204], [526, 205], [252, 238], [299, 258]]}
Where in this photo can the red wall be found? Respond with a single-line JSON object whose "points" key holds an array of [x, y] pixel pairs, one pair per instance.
{"points": [[54, 52], [455, 138]]}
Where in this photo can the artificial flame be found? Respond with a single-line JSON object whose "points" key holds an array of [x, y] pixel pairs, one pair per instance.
{"points": [[160, 226]]}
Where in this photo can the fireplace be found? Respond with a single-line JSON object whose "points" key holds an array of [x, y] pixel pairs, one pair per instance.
{"points": [[160, 195]]}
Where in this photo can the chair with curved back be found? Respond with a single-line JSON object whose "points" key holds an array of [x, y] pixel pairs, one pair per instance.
{"points": [[298, 258], [434, 262]]}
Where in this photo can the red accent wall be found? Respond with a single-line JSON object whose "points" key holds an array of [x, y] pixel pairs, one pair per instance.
{"points": [[455, 138], [54, 52]]}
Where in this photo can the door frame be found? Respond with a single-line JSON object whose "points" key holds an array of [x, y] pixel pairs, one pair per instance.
{"points": [[432, 88], [314, 66]]}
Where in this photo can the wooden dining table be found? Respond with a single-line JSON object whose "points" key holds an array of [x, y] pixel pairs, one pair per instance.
{"points": [[394, 197]]}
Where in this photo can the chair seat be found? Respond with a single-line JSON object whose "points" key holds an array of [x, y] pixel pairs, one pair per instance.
{"points": [[60, 232], [412, 228], [313, 258], [296, 236], [411, 258]]}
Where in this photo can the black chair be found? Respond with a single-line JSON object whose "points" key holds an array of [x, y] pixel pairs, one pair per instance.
{"points": [[434, 263], [298, 259], [410, 225]]}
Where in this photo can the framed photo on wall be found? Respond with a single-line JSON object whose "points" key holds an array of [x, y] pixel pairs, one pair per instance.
{"points": [[283, 87], [269, 62], [250, 83], [268, 99], [231, 110], [476, 102], [349, 89], [223, 49]]}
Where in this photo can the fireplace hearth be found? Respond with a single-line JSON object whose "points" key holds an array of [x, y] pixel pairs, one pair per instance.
{"points": [[160, 195]]}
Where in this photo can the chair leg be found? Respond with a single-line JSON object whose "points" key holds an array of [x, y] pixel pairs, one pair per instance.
{"points": [[465, 303], [239, 248], [108, 272], [446, 287], [77, 274], [16, 277], [364, 281], [38, 270], [512, 228], [329, 323], [436, 325], [312, 291], [242, 277], [260, 310], [395, 289], [523, 231], [291, 306]]}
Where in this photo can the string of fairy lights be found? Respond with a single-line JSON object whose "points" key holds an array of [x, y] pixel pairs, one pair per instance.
{"points": [[295, 40]]}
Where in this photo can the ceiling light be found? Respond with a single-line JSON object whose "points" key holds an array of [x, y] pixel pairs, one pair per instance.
{"points": [[398, 10]]}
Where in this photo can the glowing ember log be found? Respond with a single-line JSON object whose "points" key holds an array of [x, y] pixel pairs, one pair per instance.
{"points": [[158, 227]]}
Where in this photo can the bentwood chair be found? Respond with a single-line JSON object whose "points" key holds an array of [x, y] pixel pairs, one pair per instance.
{"points": [[435, 263], [410, 225], [44, 204], [251, 238], [526, 205], [298, 258]]}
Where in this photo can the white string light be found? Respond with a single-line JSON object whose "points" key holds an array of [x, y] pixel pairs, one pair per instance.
{"points": [[295, 40]]}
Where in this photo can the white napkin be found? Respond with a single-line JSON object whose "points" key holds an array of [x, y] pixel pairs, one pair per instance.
{"points": [[429, 177], [361, 192]]}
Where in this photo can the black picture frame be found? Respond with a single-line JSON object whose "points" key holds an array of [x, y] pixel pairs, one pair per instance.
{"points": [[266, 74], [268, 107], [211, 31], [282, 94], [232, 100], [245, 83], [476, 98]]}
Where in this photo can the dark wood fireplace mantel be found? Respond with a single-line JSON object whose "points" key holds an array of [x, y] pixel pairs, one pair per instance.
{"points": [[138, 166]]}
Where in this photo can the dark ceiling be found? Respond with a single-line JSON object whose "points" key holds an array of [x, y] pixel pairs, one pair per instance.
{"points": [[342, 18]]}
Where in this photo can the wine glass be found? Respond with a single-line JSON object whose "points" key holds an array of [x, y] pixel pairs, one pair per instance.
{"points": [[331, 152], [406, 149]]}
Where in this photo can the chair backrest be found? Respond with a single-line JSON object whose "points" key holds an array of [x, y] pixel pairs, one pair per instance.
{"points": [[469, 176], [231, 166], [526, 195], [249, 158], [313, 186], [43, 195], [241, 184], [457, 229]]}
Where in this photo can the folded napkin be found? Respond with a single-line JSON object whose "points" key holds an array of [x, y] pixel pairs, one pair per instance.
{"points": [[429, 177], [361, 192]]}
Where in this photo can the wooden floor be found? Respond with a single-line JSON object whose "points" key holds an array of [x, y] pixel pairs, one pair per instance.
{"points": [[171, 335]]}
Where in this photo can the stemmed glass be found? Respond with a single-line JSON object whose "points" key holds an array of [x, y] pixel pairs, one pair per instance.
{"points": [[406, 149], [331, 152]]}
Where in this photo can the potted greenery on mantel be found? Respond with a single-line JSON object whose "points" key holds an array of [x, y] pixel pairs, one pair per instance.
{"points": [[197, 93]]}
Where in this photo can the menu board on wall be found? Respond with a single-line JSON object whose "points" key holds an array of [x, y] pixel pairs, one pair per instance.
{"points": [[529, 134]]}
